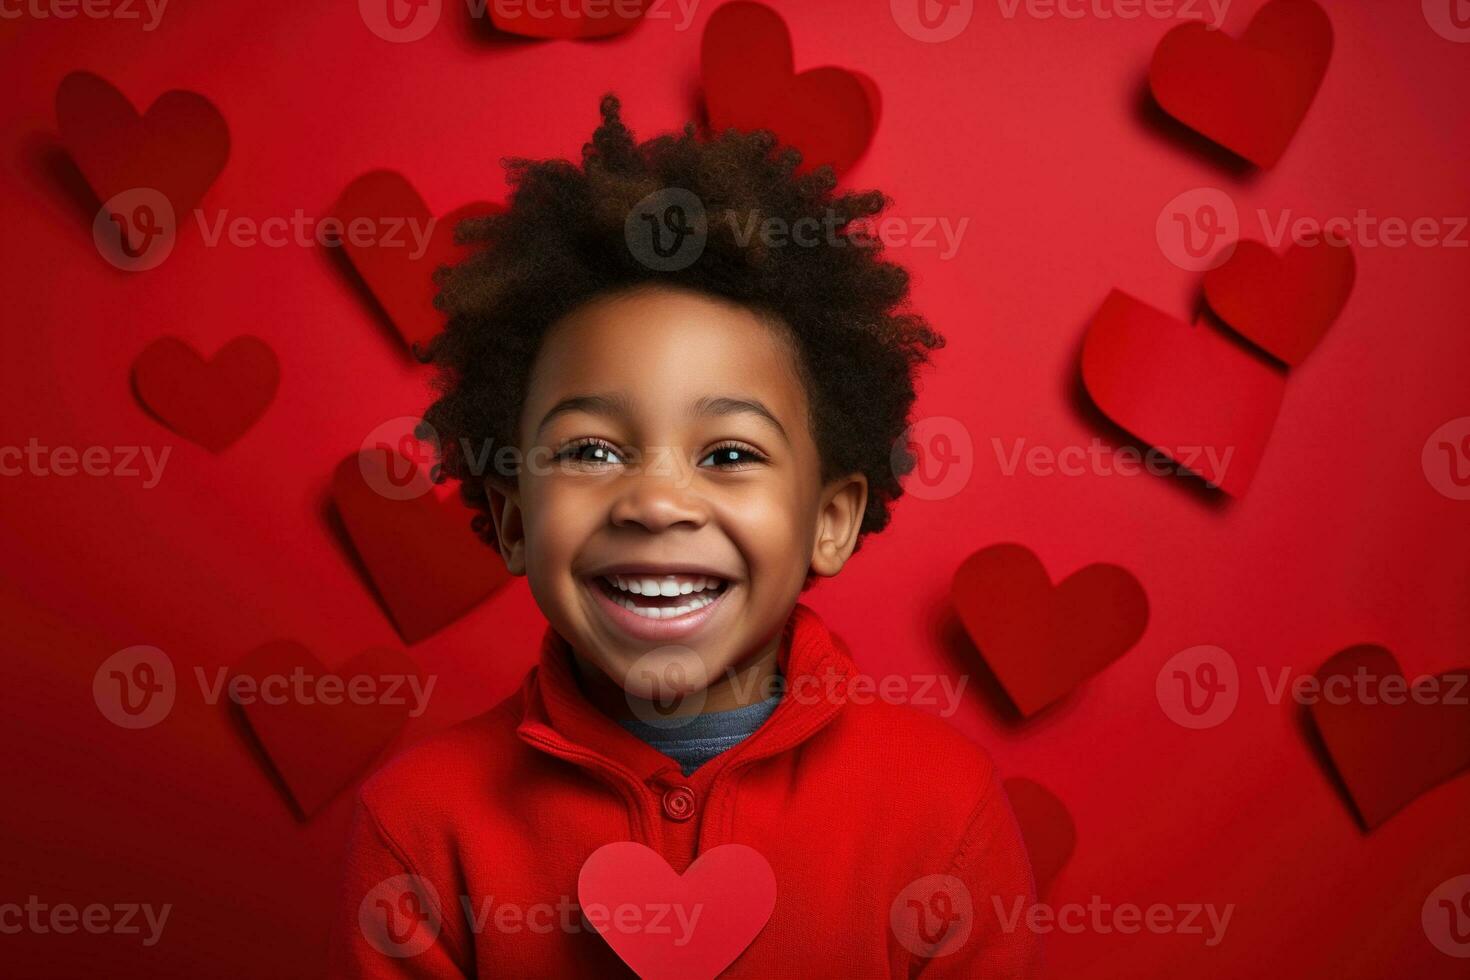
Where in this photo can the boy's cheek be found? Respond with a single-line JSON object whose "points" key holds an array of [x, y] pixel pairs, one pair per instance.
{"points": [[558, 520]]}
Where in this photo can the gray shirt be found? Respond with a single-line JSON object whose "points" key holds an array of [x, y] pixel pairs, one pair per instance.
{"points": [[695, 740]]}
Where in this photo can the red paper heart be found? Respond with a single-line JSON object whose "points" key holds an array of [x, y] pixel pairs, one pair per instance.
{"points": [[387, 258], [428, 567], [1041, 640], [1194, 393], [178, 147], [746, 62], [1046, 828], [212, 402], [319, 736], [1390, 754], [712, 912], [1248, 95], [565, 21], [1283, 304]]}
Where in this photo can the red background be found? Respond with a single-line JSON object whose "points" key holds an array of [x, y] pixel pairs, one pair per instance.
{"points": [[1036, 131]]}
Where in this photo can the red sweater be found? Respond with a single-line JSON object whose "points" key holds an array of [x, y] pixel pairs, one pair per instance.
{"points": [[488, 824]]}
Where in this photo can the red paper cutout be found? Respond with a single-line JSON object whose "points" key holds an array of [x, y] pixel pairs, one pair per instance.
{"points": [[1041, 640], [428, 567], [732, 886], [1282, 303], [829, 114], [564, 21], [178, 147], [1192, 392], [211, 403], [400, 280], [1248, 95], [317, 748], [1387, 754], [1046, 827]]}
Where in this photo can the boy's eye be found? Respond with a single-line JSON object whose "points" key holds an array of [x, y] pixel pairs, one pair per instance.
{"points": [[589, 452], [730, 456]]}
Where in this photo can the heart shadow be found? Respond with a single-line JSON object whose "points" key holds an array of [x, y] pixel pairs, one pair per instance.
{"points": [[1151, 116]]}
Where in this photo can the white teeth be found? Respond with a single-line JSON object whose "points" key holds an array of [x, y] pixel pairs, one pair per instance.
{"points": [[625, 587], [669, 585], [664, 612]]}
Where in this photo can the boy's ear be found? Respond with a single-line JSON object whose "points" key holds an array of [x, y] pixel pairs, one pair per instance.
{"points": [[844, 501], [510, 533]]}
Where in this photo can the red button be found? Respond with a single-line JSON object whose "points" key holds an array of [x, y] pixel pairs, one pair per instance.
{"points": [[679, 803]]}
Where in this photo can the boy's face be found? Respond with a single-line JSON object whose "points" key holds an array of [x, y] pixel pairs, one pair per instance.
{"points": [[670, 500]]}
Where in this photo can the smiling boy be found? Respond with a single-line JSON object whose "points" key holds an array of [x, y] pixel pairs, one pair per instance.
{"points": [[694, 447]]}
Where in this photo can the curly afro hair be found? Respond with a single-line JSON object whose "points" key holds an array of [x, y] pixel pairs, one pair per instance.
{"points": [[561, 242]]}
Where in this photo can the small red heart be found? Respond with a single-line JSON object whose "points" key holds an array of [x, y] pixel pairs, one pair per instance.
{"points": [[211, 403], [705, 917], [320, 740], [406, 243], [1192, 392], [748, 68], [1389, 754], [178, 147], [428, 567], [1282, 303], [1248, 95], [565, 21], [1041, 640], [1046, 828]]}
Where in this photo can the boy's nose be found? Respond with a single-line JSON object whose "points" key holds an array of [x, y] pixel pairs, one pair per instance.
{"points": [[657, 496]]}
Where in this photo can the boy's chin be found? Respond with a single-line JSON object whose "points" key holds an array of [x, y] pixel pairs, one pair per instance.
{"points": [[665, 674], [665, 683]]}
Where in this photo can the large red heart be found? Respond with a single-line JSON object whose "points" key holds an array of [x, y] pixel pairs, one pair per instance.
{"points": [[1282, 303], [396, 258], [746, 61], [212, 402], [1193, 393], [565, 21], [1041, 640], [323, 730], [178, 147], [428, 567], [1389, 754], [705, 918], [1046, 828], [1248, 95]]}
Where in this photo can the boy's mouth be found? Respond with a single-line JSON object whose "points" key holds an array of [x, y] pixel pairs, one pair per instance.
{"points": [[658, 605], [662, 596]]}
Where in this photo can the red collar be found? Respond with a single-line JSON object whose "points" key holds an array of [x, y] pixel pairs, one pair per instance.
{"points": [[557, 718]]}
